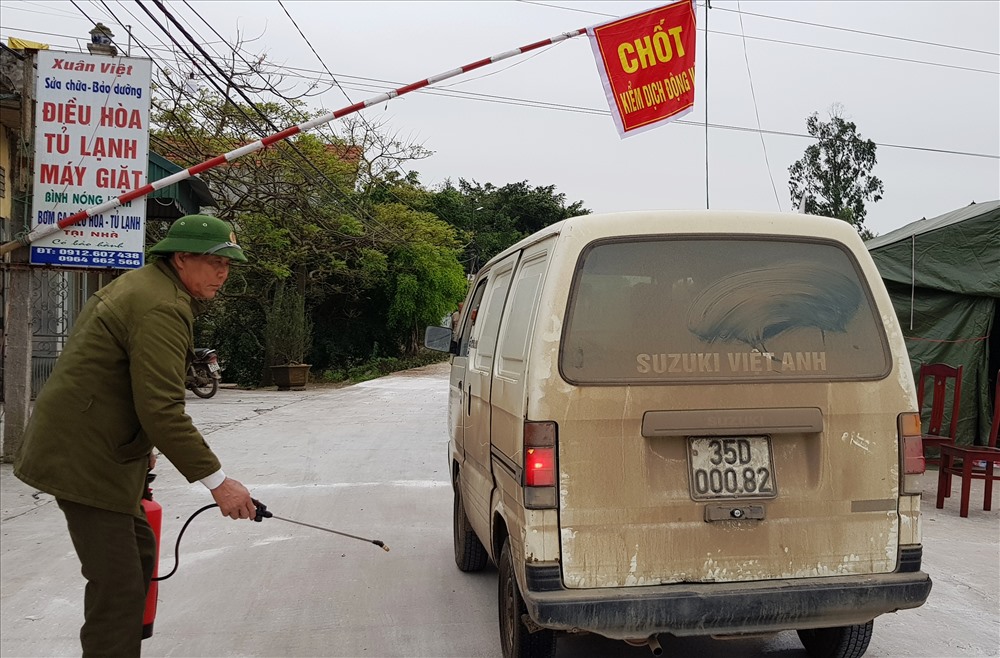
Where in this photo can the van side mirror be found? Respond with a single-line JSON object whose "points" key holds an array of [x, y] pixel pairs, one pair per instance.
{"points": [[439, 339]]}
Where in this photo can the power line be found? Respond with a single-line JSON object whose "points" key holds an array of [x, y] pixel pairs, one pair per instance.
{"points": [[170, 146], [349, 100], [508, 100], [378, 84], [76, 38], [793, 43], [381, 85], [256, 70], [580, 11], [799, 44], [161, 63], [858, 52], [34, 12], [787, 20], [236, 87], [871, 34], [756, 112], [363, 214], [807, 45], [374, 83]]}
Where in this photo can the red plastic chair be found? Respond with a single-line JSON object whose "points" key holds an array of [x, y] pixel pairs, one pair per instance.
{"points": [[941, 373], [977, 464]]}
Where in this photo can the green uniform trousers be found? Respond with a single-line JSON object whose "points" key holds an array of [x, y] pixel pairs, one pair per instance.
{"points": [[117, 553]]}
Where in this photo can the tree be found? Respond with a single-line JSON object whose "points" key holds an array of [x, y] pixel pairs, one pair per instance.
{"points": [[330, 218], [424, 278], [492, 218], [835, 174]]}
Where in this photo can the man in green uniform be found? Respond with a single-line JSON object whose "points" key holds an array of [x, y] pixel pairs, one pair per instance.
{"points": [[116, 394]]}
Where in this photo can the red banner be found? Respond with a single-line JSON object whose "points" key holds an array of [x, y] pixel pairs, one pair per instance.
{"points": [[646, 62]]}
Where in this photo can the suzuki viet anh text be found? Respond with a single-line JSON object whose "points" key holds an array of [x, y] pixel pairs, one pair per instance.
{"points": [[694, 423]]}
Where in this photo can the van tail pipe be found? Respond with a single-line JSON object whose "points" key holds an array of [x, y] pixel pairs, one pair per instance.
{"points": [[43, 230], [651, 642]]}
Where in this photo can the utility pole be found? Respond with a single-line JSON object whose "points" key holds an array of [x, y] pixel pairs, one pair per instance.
{"points": [[17, 346]]}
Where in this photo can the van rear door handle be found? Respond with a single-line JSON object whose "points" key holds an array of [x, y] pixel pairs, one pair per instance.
{"points": [[468, 396]]}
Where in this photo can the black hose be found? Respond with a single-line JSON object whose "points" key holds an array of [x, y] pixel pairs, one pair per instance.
{"points": [[177, 546]]}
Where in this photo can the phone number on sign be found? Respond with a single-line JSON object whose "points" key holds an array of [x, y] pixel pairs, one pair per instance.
{"points": [[91, 257]]}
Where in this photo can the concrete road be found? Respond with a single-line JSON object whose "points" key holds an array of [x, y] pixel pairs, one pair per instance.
{"points": [[370, 460]]}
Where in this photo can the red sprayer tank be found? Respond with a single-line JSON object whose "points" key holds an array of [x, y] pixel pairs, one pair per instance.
{"points": [[154, 515]]}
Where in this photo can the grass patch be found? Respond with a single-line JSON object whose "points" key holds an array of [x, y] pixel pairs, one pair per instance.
{"points": [[380, 367]]}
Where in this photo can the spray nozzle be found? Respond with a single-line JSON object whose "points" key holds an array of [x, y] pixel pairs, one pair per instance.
{"points": [[262, 512]]}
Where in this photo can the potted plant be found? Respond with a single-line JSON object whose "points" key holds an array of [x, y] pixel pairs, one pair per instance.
{"points": [[288, 337]]}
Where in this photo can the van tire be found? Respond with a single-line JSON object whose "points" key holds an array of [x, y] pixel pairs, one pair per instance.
{"points": [[839, 642], [515, 638], [469, 552]]}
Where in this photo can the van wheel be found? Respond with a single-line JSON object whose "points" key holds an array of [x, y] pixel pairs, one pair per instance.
{"points": [[469, 552], [839, 642], [515, 639]]}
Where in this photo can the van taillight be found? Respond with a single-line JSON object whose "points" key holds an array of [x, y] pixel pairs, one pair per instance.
{"points": [[539, 467], [911, 450], [539, 464]]}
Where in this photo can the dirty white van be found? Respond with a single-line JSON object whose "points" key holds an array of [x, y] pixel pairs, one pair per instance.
{"points": [[696, 423]]}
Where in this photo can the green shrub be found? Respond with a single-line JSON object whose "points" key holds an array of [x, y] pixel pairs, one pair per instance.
{"points": [[382, 366], [288, 334]]}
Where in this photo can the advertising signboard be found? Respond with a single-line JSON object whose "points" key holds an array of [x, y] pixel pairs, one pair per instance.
{"points": [[91, 145], [646, 64]]}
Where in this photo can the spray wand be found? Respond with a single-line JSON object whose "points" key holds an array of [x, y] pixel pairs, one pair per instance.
{"points": [[262, 513]]}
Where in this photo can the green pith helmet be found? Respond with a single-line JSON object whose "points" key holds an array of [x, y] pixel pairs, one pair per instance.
{"points": [[200, 234]]}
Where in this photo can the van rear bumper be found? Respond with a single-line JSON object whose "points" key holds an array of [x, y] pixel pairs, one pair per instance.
{"points": [[725, 608]]}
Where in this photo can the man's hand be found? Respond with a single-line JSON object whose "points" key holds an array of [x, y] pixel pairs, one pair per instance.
{"points": [[234, 500], [152, 460]]}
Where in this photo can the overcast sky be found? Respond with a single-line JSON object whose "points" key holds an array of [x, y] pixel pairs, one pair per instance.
{"points": [[932, 88]]}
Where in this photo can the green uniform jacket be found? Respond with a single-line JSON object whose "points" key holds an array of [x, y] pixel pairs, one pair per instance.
{"points": [[117, 391]]}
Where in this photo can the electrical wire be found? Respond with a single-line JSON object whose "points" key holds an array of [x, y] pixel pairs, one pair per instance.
{"points": [[349, 100], [593, 111], [164, 70], [871, 34], [812, 45], [93, 134], [177, 45], [363, 215], [753, 95], [379, 84], [337, 84], [732, 34], [393, 235], [35, 12], [858, 52], [787, 20]]}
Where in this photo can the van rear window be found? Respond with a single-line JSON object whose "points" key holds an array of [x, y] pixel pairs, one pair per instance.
{"points": [[713, 309]]}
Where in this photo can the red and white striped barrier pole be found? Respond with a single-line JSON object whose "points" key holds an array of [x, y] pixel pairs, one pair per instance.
{"points": [[47, 229]]}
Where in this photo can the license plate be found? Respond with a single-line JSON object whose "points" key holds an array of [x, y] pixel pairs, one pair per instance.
{"points": [[213, 367], [731, 467]]}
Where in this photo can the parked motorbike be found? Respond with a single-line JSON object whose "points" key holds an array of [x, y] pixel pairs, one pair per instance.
{"points": [[204, 373]]}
